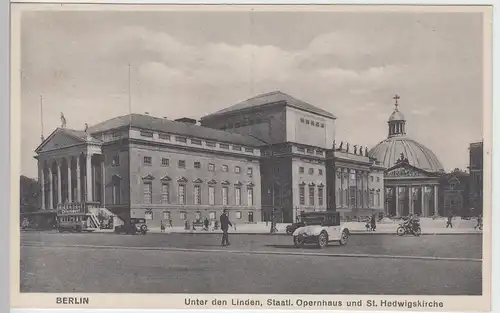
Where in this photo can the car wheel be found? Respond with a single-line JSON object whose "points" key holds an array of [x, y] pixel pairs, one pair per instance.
{"points": [[400, 231], [289, 232], [298, 241], [322, 240], [344, 237], [61, 230]]}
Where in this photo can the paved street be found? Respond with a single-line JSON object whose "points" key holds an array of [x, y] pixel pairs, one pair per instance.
{"points": [[177, 263]]}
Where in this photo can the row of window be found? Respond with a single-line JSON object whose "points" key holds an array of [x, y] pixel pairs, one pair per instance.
{"points": [[248, 122], [147, 160], [358, 197], [198, 197], [198, 142], [312, 197], [310, 171], [310, 151], [167, 216], [312, 123]]}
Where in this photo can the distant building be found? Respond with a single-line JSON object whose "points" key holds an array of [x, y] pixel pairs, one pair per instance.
{"points": [[270, 153], [476, 176], [454, 193], [412, 171]]}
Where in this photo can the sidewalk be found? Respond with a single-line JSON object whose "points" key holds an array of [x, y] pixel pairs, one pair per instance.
{"points": [[387, 227]]}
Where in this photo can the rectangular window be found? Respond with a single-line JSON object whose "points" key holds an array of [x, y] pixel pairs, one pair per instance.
{"points": [[163, 136], [378, 179], [237, 148], [211, 144], [302, 120], [197, 216], [302, 196], [301, 150], [211, 195], [238, 215], [250, 171], [310, 151], [320, 172], [180, 139], [225, 192], [183, 215], [320, 196], [181, 194], [196, 142], [237, 192], [147, 160], [116, 193], [224, 168], [378, 198], [211, 167], [116, 160], [145, 133], [223, 146], [317, 124], [237, 169], [311, 171], [181, 164], [165, 162], [311, 195], [250, 196], [372, 198], [307, 122], [116, 135], [212, 215], [250, 217], [319, 152], [322, 125], [249, 150], [301, 170], [371, 178], [165, 193], [197, 194], [148, 215], [197, 165], [148, 188], [166, 215]]}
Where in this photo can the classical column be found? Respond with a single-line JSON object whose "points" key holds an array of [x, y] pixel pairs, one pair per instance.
{"points": [[88, 178], [397, 201], [41, 169], [411, 209], [424, 207], [51, 188], [78, 181], [367, 189], [70, 185], [436, 211], [59, 183], [103, 183]]}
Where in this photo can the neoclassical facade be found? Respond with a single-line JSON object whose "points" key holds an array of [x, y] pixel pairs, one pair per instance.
{"points": [[412, 171]]}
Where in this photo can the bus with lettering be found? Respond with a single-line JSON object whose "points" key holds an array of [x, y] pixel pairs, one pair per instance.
{"points": [[75, 217]]}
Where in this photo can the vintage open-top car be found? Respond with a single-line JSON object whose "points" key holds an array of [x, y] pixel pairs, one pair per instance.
{"points": [[320, 228], [132, 226]]}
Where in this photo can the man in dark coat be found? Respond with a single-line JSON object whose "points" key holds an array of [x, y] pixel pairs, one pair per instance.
{"points": [[224, 225]]}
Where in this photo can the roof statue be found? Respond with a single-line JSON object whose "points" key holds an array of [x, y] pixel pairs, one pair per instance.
{"points": [[333, 145], [361, 150], [63, 121], [341, 144], [366, 151], [347, 147], [355, 149]]}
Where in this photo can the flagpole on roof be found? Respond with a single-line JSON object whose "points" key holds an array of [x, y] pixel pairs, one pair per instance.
{"points": [[41, 116], [129, 98]]}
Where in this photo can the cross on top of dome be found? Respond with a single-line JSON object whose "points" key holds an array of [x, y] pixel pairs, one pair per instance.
{"points": [[396, 97]]}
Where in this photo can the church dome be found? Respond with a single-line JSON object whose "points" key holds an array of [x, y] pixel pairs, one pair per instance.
{"points": [[418, 155], [398, 145]]}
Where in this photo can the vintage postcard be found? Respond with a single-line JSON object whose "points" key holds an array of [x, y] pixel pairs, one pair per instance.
{"points": [[259, 157]]}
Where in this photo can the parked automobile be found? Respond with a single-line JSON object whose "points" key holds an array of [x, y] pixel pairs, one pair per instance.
{"points": [[321, 228], [75, 222], [132, 226], [291, 228]]}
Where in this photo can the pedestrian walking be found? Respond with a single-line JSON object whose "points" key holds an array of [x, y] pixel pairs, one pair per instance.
{"points": [[224, 225], [206, 223], [373, 223], [170, 223], [479, 222], [449, 221], [162, 227]]}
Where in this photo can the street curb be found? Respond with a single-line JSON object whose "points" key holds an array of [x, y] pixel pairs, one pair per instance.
{"points": [[338, 255], [282, 234]]}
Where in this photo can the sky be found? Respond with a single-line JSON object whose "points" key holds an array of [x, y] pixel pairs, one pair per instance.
{"points": [[192, 63]]}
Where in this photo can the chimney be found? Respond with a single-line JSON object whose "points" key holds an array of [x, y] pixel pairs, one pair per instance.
{"points": [[186, 120]]}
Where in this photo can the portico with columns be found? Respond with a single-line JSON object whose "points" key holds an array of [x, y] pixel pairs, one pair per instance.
{"points": [[71, 169], [411, 191]]}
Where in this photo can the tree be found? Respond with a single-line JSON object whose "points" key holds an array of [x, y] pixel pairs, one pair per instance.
{"points": [[29, 194]]}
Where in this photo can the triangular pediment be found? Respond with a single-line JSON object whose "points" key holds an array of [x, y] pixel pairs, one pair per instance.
{"points": [[405, 170], [166, 178], [59, 139], [225, 182], [238, 183], [212, 182], [198, 181], [182, 180], [148, 177]]}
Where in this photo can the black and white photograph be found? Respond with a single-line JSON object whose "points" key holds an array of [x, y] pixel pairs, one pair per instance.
{"points": [[248, 151]]}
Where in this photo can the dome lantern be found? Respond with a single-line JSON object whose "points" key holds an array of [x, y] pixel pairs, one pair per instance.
{"points": [[397, 122]]}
